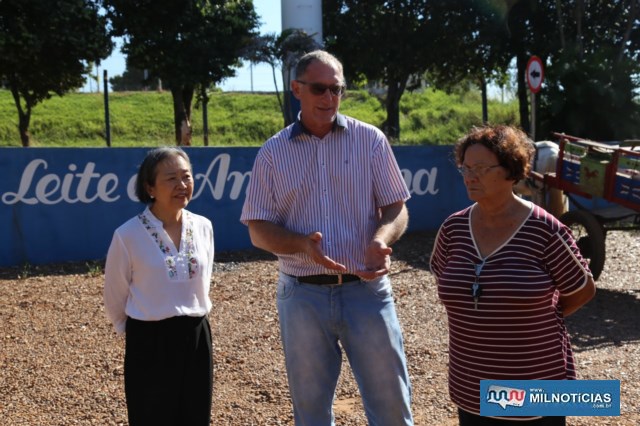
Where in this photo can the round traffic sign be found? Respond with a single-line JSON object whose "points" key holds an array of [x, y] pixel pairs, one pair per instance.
{"points": [[535, 74]]}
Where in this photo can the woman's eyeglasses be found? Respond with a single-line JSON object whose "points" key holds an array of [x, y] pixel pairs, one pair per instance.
{"points": [[476, 290], [477, 171], [319, 89]]}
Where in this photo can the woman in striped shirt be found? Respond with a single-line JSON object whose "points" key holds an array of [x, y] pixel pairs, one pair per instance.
{"points": [[508, 273]]}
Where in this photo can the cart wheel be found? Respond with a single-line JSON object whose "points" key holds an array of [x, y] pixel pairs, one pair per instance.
{"points": [[589, 236]]}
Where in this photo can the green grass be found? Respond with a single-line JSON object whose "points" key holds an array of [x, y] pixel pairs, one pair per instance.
{"points": [[235, 119]]}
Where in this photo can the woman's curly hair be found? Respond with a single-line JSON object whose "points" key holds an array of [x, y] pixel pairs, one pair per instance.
{"points": [[511, 145]]}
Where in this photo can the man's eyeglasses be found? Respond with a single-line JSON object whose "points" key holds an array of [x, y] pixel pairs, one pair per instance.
{"points": [[319, 89], [477, 171]]}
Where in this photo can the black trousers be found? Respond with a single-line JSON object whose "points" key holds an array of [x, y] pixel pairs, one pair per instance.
{"points": [[168, 372], [469, 419]]}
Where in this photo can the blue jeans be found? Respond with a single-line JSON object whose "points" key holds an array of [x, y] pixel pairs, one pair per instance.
{"points": [[362, 317]]}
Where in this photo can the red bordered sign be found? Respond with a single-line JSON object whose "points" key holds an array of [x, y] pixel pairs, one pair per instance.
{"points": [[535, 74]]}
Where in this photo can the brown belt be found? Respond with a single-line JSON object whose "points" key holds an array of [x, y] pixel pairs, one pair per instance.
{"points": [[328, 279]]}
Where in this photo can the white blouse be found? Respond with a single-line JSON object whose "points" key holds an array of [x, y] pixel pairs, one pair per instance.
{"points": [[149, 279]]}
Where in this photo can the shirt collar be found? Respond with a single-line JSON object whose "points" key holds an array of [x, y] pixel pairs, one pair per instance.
{"points": [[298, 128], [157, 222], [150, 216]]}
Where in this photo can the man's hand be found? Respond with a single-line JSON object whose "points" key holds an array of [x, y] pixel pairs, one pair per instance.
{"points": [[278, 240], [377, 259], [313, 248]]}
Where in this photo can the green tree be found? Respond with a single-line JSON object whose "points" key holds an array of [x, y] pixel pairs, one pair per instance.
{"points": [[382, 40], [468, 42], [590, 51], [533, 30], [280, 52], [46, 48], [132, 79], [592, 79], [475, 40], [189, 44]]}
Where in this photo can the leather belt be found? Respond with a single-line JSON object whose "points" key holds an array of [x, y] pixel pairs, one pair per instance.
{"points": [[328, 279]]}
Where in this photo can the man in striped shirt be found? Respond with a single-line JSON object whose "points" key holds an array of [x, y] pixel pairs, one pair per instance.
{"points": [[327, 197]]}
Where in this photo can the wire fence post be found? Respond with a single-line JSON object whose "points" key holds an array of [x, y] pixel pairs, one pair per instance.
{"points": [[106, 109]]}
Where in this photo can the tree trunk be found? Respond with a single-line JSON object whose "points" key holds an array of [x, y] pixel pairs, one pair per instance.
{"points": [[275, 84], [579, 16], [560, 23], [205, 117], [627, 33], [24, 117], [290, 103], [182, 98], [485, 106], [23, 127], [523, 98], [395, 89]]}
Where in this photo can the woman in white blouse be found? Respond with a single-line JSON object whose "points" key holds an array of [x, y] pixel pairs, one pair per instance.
{"points": [[156, 293]]}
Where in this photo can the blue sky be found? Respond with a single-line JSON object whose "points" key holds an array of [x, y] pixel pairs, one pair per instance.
{"points": [[260, 77]]}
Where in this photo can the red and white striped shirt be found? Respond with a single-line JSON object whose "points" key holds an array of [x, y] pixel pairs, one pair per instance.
{"points": [[334, 185], [517, 331]]}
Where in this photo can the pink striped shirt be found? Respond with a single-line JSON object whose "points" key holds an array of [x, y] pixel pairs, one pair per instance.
{"points": [[517, 331], [334, 185]]}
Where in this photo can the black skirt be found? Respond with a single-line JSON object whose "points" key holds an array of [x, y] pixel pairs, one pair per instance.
{"points": [[168, 371]]}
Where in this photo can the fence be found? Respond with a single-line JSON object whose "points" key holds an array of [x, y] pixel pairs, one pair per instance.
{"points": [[63, 204]]}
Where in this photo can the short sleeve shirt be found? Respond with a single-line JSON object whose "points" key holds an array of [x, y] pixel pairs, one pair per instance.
{"points": [[517, 331], [334, 185]]}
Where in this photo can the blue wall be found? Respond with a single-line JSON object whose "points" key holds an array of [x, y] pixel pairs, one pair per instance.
{"points": [[63, 204]]}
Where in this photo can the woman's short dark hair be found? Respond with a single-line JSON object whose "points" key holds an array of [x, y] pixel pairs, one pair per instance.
{"points": [[511, 145], [149, 169]]}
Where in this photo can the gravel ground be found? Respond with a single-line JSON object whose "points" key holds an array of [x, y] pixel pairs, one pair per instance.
{"points": [[61, 363]]}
